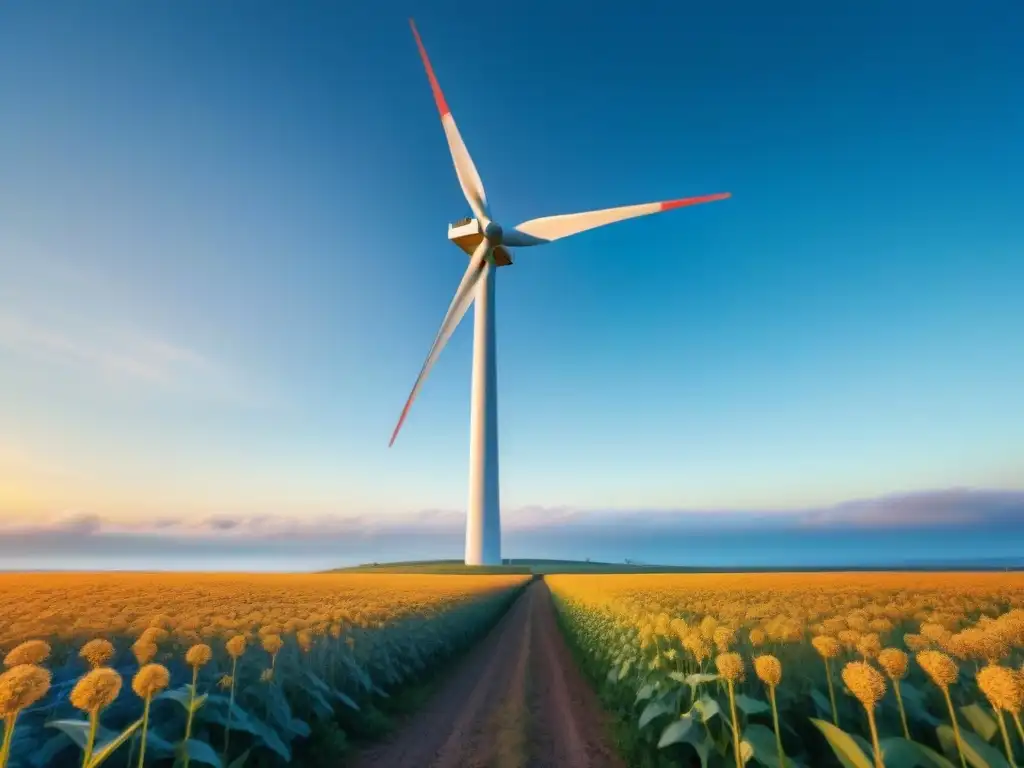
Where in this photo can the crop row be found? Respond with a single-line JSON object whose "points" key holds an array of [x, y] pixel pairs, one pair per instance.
{"points": [[221, 670], [853, 670]]}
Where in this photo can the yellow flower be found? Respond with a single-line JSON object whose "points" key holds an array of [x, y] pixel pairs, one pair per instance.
{"points": [[1003, 688], [916, 643], [22, 686], [865, 683], [29, 652], [96, 690], [869, 645], [225, 682], [939, 667], [304, 639], [236, 646], [894, 662], [723, 637], [757, 637], [849, 638], [826, 646], [198, 655], [144, 652], [730, 666], [97, 652], [153, 635], [272, 644], [150, 680], [768, 669]]}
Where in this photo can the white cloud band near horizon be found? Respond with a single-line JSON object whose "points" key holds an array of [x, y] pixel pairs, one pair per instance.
{"points": [[926, 509], [950, 525]]}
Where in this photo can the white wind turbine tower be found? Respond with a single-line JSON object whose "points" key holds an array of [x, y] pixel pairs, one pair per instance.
{"points": [[487, 244]]}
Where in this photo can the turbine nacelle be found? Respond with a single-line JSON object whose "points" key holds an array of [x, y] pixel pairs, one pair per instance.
{"points": [[469, 233]]}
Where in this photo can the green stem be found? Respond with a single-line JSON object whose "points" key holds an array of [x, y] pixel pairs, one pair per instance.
{"points": [[735, 727], [5, 750], [131, 750], [775, 720], [1006, 738], [145, 726], [874, 739], [94, 722], [231, 706], [191, 703], [831, 693], [956, 727], [903, 714], [1020, 728]]}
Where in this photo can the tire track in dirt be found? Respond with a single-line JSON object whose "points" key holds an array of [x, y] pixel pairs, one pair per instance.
{"points": [[517, 700]]}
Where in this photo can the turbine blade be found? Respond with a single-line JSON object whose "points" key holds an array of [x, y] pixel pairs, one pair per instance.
{"points": [[548, 228], [469, 179], [464, 295]]}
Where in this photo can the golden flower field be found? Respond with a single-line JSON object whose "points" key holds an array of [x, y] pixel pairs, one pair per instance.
{"points": [[859, 670], [222, 670], [848, 670]]}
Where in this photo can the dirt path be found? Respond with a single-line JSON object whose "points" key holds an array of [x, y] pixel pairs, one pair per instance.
{"points": [[516, 701]]}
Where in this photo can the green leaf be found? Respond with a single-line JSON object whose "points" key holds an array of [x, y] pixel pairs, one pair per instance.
{"points": [[157, 745], [766, 752], [625, 669], [863, 743], [198, 701], [181, 695], [239, 762], [645, 692], [981, 721], [749, 705], [652, 710], [299, 727], [613, 674], [675, 731], [706, 707], [78, 731], [698, 738], [821, 702], [699, 679], [845, 748], [241, 720], [199, 751], [47, 753], [900, 753], [345, 700], [979, 754], [323, 708], [107, 749], [915, 702]]}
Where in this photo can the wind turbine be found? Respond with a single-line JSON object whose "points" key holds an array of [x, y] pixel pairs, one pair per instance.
{"points": [[487, 244]]}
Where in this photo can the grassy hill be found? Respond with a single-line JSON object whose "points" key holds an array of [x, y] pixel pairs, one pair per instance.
{"points": [[511, 566], [541, 567]]}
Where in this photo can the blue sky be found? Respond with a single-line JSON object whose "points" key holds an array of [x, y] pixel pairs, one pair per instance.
{"points": [[223, 256]]}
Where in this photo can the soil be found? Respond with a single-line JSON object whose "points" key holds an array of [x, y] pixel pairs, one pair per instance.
{"points": [[517, 700]]}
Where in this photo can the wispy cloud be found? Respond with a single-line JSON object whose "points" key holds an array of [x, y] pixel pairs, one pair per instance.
{"points": [[121, 355], [552, 530], [108, 351]]}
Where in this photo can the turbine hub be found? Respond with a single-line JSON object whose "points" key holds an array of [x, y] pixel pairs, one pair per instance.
{"points": [[492, 232]]}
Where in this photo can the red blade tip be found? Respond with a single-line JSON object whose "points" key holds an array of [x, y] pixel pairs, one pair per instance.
{"points": [[668, 205], [442, 105]]}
